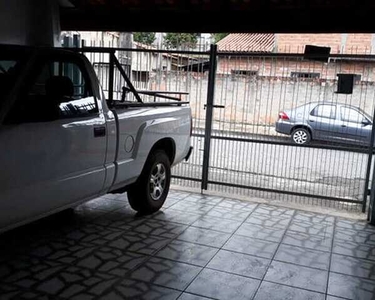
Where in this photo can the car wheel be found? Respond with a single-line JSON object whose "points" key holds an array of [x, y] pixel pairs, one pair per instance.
{"points": [[301, 136], [148, 194]]}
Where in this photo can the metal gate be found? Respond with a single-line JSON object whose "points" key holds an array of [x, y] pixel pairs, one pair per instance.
{"points": [[236, 99], [244, 154]]}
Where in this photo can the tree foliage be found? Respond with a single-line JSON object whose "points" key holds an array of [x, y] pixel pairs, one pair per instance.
{"points": [[144, 37], [178, 40]]}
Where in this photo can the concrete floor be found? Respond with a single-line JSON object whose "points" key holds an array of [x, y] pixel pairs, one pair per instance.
{"points": [[197, 247]]}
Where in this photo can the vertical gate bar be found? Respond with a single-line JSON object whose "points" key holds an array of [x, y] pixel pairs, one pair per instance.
{"points": [[368, 169], [371, 211], [209, 111], [110, 76]]}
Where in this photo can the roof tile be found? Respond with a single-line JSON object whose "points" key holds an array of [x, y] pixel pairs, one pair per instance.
{"points": [[247, 42]]}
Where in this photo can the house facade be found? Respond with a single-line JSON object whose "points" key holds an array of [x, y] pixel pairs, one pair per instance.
{"points": [[289, 67]]}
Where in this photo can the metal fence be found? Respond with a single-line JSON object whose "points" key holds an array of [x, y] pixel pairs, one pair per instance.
{"points": [[247, 155], [236, 99]]}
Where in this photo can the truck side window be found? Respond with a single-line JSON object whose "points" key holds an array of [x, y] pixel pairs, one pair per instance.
{"points": [[60, 90]]}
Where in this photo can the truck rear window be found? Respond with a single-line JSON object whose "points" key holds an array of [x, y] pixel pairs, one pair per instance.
{"points": [[8, 75]]}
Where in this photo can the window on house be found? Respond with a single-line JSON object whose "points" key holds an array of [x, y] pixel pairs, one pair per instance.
{"points": [[305, 75], [244, 72]]}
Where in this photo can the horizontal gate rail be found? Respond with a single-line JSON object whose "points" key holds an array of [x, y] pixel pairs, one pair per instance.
{"points": [[110, 49], [321, 146], [187, 178], [284, 192]]}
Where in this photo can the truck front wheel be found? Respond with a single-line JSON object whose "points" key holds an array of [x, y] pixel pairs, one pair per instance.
{"points": [[148, 194]]}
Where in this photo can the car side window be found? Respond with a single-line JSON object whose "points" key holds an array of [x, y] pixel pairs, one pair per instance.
{"points": [[351, 115], [61, 89], [324, 111]]}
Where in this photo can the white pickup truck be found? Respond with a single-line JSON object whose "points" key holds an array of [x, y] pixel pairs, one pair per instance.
{"points": [[63, 144]]}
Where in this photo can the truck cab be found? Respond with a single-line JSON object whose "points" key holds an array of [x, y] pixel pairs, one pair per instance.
{"points": [[62, 145]]}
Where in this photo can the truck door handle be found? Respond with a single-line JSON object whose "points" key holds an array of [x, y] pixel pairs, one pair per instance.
{"points": [[343, 125], [99, 131], [311, 120]]}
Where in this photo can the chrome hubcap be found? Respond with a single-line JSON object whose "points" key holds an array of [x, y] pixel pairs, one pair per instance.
{"points": [[157, 181], [300, 137]]}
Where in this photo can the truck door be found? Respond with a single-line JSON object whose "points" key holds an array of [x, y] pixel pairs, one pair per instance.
{"points": [[53, 142]]}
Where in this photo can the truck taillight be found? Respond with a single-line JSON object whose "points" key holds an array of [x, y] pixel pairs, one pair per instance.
{"points": [[283, 116]]}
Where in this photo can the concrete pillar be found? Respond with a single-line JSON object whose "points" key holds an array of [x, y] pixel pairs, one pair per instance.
{"points": [[30, 22]]}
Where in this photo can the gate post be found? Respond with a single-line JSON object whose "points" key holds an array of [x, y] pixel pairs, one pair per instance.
{"points": [[111, 76], [209, 112], [368, 169], [371, 210]]}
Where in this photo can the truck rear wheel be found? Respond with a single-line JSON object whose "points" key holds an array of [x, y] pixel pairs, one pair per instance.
{"points": [[148, 194]]}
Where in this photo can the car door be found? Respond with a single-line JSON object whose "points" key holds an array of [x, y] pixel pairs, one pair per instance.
{"points": [[323, 121], [353, 128], [53, 142]]}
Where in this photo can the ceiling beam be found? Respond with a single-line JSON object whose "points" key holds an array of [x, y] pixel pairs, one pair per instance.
{"points": [[340, 19]]}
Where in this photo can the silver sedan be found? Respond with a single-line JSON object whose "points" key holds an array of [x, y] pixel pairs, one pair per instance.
{"points": [[326, 121]]}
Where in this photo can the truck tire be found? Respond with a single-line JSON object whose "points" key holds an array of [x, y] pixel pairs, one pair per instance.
{"points": [[147, 195]]}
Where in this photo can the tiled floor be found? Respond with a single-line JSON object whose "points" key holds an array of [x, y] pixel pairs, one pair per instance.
{"points": [[197, 247]]}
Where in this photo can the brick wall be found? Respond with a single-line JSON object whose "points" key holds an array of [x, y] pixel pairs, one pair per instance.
{"points": [[295, 43], [283, 67], [340, 43]]}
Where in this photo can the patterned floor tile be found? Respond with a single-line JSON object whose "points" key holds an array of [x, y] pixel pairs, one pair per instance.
{"points": [[273, 291], [297, 276], [110, 260], [166, 273], [137, 242], [138, 290], [304, 240], [260, 248], [353, 266], [223, 225], [157, 227], [187, 252], [302, 256], [266, 221], [240, 264], [357, 250], [350, 287], [260, 232], [204, 236], [220, 285], [227, 213], [176, 216], [237, 205]]}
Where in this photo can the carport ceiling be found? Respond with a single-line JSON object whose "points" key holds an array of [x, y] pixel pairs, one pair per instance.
{"points": [[219, 15]]}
